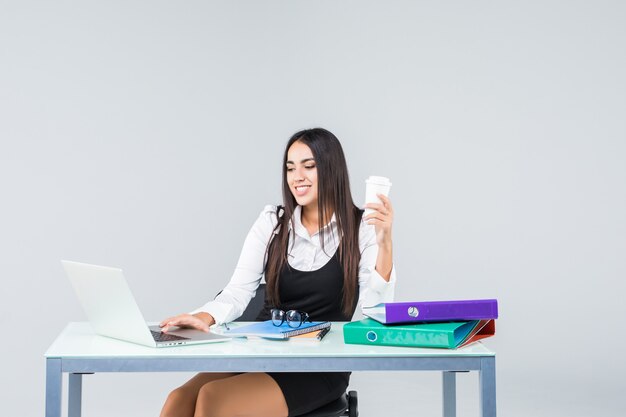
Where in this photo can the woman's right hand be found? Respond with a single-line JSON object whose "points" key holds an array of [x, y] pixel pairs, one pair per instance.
{"points": [[199, 321]]}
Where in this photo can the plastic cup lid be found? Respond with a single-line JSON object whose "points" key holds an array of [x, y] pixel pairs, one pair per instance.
{"points": [[378, 180]]}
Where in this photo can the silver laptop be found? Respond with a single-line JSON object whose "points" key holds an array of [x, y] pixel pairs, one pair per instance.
{"points": [[113, 312]]}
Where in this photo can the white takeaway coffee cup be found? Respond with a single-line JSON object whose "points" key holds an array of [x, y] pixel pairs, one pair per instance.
{"points": [[375, 185]]}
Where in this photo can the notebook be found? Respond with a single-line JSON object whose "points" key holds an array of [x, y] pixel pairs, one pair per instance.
{"points": [[112, 311], [268, 330], [316, 335]]}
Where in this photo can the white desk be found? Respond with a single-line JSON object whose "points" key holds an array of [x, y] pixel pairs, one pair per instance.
{"points": [[77, 350]]}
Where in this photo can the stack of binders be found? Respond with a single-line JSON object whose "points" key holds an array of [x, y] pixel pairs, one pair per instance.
{"points": [[432, 324]]}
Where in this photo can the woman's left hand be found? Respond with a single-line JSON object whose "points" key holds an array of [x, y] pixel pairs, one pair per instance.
{"points": [[382, 219]]}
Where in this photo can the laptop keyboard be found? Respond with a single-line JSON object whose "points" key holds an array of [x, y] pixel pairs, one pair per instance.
{"points": [[166, 337]]}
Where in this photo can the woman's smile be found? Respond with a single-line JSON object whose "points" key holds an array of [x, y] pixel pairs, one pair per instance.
{"points": [[301, 190]]}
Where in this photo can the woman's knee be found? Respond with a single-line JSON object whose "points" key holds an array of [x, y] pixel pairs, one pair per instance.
{"points": [[208, 397], [243, 396], [210, 402], [179, 402]]}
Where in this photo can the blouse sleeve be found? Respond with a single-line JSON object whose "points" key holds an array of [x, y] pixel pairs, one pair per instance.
{"points": [[373, 289], [234, 298]]}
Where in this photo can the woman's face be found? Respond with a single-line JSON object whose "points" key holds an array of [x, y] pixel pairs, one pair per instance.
{"points": [[302, 174]]}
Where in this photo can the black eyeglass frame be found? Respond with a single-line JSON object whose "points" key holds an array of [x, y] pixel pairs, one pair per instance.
{"points": [[290, 317]]}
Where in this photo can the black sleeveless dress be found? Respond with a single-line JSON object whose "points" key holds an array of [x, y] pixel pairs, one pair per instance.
{"points": [[318, 293]]}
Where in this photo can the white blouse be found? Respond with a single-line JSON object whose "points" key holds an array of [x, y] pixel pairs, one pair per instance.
{"points": [[306, 255]]}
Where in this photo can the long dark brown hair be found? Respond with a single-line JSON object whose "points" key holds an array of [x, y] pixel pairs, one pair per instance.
{"points": [[334, 196]]}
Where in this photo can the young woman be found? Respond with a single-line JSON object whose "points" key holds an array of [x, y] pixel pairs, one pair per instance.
{"points": [[319, 255]]}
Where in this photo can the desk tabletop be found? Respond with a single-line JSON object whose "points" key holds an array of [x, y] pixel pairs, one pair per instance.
{"points": [[78, 340]]}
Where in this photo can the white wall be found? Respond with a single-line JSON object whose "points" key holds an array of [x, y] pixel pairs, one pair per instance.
{"points": [[149, 135]]}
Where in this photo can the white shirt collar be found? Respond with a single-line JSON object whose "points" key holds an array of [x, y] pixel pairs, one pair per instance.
{"points": [[301, 230]]}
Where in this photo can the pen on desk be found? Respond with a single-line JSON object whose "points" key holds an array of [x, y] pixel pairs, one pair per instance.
{"points": [[323, 333]]}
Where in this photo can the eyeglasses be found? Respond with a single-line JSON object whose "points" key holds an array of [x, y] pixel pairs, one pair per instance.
{"points": [[294, 318]]}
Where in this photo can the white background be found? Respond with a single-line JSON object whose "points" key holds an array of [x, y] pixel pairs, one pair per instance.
{"points": [[149, 135]]}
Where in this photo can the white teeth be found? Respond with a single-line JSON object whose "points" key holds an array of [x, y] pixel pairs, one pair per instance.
{"points": [[302, 187]]}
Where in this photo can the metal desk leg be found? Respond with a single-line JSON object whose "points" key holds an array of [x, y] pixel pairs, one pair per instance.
{"points": [[449, 394], [75, 395], [487, 386], [54, 383]]}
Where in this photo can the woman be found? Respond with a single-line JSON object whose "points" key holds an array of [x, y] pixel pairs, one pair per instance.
{"points": [[318, 255]]}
